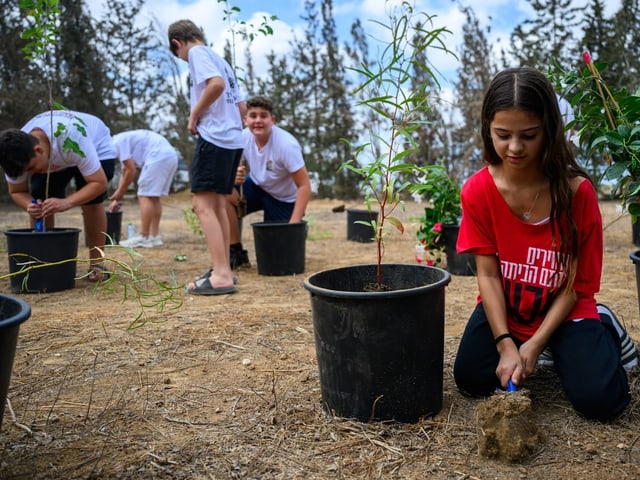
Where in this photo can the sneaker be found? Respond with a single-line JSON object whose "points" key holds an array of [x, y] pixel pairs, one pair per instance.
{"points": [[137, 242], [629, 351], [156, 241], [546, 358], [239, 258]]}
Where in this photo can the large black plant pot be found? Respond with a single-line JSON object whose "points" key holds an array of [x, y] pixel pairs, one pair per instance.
{"points": [[13, 311], [50, 257], [380, 354]]}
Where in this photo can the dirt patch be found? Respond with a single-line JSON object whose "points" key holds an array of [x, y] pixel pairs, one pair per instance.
{"points": [[508, 429], [227, 387]]}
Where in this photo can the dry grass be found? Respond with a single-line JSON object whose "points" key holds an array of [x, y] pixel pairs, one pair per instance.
{"points": [[227, 387]]}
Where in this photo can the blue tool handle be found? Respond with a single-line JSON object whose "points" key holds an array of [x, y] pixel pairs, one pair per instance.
{"points": [[39, 223], [511, 387]]}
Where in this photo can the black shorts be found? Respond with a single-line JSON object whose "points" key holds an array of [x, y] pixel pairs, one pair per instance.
{"points": [[59, 180], [213, 168]]}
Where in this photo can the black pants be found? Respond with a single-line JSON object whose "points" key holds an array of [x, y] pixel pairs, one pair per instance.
{"points": [[586, 356]]}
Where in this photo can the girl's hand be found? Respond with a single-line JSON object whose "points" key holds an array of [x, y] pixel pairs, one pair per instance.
{"points": [[511, 365], [529, 352]]}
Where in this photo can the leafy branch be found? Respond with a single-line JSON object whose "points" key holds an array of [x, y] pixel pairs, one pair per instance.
{"points": [[126, 275], [402, 104]]}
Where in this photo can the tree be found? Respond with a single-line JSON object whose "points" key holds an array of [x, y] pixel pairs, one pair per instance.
{"points": [[17, 74], [134, 55], [623, 47], [474, 76], [79, 71], [536, 42], [309, 90]]}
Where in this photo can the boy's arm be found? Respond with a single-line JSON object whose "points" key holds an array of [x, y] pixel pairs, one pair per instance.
{"points": [[20, 195], [213, 90], [96, 184], [127, 175], [301, 179]]}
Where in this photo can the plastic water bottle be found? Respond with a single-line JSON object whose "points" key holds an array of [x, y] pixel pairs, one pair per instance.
{"points": [[39, 223], [131, 231]]}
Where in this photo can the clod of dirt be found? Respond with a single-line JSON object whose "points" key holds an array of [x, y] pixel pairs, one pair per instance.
{"points": [[507, 429]]}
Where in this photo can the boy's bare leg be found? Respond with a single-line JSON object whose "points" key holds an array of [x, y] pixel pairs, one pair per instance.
{"points": [[210, 208], [95, 225], [150, 214]]}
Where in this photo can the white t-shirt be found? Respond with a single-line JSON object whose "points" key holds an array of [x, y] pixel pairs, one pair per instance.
{"points": [[566, 110], [96, 145], [271, 166], [221, 123], [143, 147]]}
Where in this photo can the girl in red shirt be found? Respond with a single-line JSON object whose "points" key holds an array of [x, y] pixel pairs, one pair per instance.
{"points": [[532, 221]]}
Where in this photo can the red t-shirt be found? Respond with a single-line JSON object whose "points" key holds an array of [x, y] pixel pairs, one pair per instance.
{"points": [[526, 253]]}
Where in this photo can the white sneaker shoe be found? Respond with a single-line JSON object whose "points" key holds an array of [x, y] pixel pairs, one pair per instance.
{"points": [[156, 240], [546, 358], [137, 241], [629, 352]]}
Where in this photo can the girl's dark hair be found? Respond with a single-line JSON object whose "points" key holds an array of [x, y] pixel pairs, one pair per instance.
{"points": [[528, 89]]}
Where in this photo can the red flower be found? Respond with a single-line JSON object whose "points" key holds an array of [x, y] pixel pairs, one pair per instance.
{"points": [[586, 57], [437, 227]]}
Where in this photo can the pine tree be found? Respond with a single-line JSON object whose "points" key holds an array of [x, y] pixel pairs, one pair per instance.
{"points": [[537, 42], [135, 57], [80, 72], [474, 76]]}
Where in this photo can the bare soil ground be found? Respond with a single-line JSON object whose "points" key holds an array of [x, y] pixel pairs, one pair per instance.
{"points": [[227, 387]]}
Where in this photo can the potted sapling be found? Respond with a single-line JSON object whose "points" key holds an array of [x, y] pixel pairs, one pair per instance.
{"points": [[379, 328]]}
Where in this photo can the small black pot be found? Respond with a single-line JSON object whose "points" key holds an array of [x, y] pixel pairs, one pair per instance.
{"points": [[114, 228], [280, 247], [635, 258], [13, 312], [457, 263], [358, 232]]}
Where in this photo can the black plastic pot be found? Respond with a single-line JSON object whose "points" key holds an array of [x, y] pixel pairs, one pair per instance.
{"points": [[13, 312], [635, 258], [380, 354], [457, 263], [280, 247], [635, 232], [51, 256], [114, 228], [357, 232]]}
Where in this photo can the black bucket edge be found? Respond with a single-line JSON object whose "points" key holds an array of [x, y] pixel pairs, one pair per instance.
{"points": [[360, 293]]}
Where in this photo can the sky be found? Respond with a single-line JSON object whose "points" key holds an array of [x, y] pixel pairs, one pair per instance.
{"points": [[501, 15]]}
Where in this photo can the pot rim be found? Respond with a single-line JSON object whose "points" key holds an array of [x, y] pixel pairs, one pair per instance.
{"points": [[418, 289], [22, 315]]}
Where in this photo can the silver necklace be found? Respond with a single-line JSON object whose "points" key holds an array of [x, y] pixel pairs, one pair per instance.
{"points": [[527, 215]]}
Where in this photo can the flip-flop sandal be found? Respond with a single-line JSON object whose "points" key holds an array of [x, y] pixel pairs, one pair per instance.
{"points": [[203, 287], [97, 273], [207, 274]]}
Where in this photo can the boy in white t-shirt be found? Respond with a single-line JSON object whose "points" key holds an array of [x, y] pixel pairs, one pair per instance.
{"points": [[277, 181], [157, 161], [216, 118], [70, 145]]}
